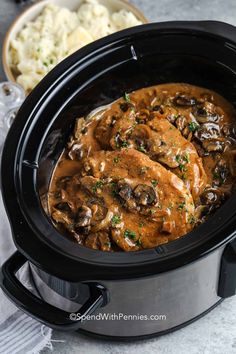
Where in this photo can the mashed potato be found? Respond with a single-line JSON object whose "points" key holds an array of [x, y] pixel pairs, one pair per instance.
{"points": [[56, 33]]}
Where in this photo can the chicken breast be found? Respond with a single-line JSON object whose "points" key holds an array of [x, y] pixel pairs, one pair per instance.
{"points": [[161, 141], [131, 188]]}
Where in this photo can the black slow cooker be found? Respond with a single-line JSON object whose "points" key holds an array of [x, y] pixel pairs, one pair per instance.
{"points": [[162, 288]]}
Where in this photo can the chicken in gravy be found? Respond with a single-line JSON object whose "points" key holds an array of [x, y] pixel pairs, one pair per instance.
{"points": [[146, 169]]}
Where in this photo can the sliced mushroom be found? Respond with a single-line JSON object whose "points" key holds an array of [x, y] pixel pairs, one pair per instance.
{"points": [[76, 152], [220, 172], [181, 123], [171, 118], [82, 231], [125, 194], [187, 134], [201, 151], [141, 133], [211, 196], [80, 125], [84, 216], [206, 113], [63, 206], [124, 243], [62, 218], [124, 106], [65, 196], [183, 100], [99, 211], [201, 212], [64, 202], [79, 236], [208, 131], [154, 146], [88, 167], [158, 108], [124, 190], [229, 131], [145, 195], [92, 241], [104, 240], [120, 141], [102, 132], [160, 151], [92, 185], [98, 240], [168, 226], [143, 116], [213, 145], [103, 224]]}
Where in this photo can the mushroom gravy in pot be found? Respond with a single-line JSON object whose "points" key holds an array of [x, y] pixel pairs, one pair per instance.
{"points": [[146, 169]]}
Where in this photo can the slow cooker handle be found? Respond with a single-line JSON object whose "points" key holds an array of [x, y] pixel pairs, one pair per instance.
{"points": [[39, 309], [227, 280]]}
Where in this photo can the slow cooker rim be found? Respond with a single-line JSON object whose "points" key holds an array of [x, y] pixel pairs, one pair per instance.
{"points": [[89, 49]]}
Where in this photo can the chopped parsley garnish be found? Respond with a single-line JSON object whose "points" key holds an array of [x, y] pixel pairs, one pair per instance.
{"points": [[178, 158], [182, 160], [141, 148], [138, 242], [193, 126], [116, 159], [186, 158], [176, 116], [154, 182], [113, 184], [98, 185], [126, 97], [119, 142], [115, 220], [192, 219], [114, 189], [124, 144], [130, 234], [182, 167], [124, 106], [45, 63], [181, 206]]}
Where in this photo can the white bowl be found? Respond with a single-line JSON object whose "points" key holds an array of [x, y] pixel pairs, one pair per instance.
{"points": [[34, 10]]}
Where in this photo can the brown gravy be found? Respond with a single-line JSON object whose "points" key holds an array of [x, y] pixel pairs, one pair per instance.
{"points": [[146, 169]]}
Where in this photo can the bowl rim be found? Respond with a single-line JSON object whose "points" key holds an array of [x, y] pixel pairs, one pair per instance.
{"points": [[6, 41]]}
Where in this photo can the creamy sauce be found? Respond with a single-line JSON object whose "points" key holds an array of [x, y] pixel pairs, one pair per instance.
{"points": [[146, 169]]}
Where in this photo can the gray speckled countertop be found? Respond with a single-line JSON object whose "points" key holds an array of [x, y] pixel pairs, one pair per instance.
{"points": [[216, 332]]}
